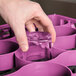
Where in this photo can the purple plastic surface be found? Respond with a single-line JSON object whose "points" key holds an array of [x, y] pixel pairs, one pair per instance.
{"points": [[32, 55], [7, 49], [59, 20], [43, 69], [67, 42], [41, 59]]}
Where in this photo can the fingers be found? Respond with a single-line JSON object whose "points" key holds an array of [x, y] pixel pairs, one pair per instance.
{"points": [[38, 25], [47, 24], [30, 26], [21, 37]]}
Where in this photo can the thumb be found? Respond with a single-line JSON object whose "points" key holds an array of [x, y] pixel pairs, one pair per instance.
{"points": [[21, 36]]}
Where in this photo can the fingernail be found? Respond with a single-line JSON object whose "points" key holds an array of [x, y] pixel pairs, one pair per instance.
{"points": [[24, 48], [52, 44]]}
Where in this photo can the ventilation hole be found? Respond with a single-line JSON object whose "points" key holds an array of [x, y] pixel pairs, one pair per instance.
{"points": [[65, 22], [2, 73], [75, 24], [72, 49], [6, 34], [72, 68]]}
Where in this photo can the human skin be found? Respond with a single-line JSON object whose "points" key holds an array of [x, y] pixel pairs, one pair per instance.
{"points": [[23, 13]]}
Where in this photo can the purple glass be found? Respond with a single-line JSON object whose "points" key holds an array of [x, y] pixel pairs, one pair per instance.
{"points": [[39, 38]]}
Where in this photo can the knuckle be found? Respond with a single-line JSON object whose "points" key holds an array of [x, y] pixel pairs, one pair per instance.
{"points": [[37, 9], [36, 5], [38, 14]]}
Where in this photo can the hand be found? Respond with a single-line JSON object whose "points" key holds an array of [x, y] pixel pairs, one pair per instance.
{"points": [[23, 13]]}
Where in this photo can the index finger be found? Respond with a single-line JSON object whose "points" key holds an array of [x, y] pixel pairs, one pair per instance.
{"points": [[47, 23]]}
